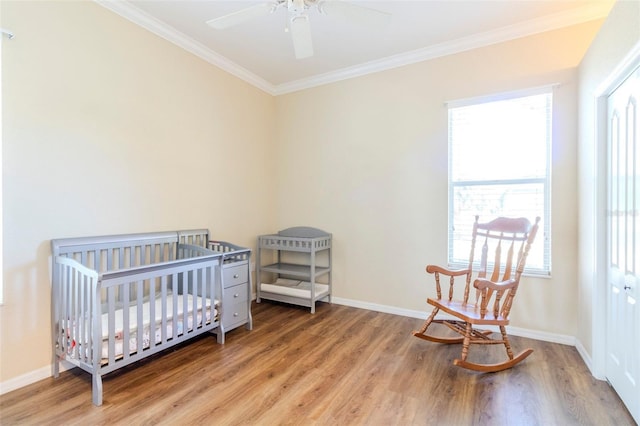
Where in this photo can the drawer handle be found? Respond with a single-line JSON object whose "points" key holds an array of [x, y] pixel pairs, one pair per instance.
{"points": [[236, 276], [236, 295], [235, 314]]}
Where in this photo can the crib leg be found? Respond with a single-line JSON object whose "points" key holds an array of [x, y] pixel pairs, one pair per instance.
{"points": [[220, 335], [96, 389], [56, 365]]}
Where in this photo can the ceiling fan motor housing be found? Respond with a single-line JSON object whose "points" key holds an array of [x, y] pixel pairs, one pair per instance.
{"points": [[296, 7]]}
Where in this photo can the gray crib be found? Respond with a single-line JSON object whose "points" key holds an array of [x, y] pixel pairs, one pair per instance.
{"points": [[118, 299]]}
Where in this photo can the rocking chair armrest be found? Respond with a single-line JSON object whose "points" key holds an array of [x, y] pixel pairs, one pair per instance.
{"points": [[482, 283], [449, 272]]}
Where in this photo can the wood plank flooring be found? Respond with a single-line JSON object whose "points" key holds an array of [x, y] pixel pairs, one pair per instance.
{"points": [[340, 366]]}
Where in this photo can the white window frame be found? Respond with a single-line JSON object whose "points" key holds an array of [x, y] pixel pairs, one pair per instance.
{"points": [[545, 232]]}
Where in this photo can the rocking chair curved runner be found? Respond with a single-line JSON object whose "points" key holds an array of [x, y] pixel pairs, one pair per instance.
{"points": [[494, 295]]}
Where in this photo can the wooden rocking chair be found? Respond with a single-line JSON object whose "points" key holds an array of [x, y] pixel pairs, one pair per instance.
{"points": [[494, 295]]}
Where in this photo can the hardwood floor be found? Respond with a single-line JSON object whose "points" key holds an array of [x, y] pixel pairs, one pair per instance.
{"points": [[340, 366]]}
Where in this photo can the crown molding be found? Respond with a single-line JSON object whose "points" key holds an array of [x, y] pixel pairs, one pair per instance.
{"points": [[590, 12], [597, 10], [148, 22]]}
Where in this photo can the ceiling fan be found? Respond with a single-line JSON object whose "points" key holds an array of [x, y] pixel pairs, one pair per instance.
{"points": [[298, 18]]}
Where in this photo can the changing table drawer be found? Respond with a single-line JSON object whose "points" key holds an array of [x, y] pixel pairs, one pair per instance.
{"points": [[235, 275], [235, 306]]}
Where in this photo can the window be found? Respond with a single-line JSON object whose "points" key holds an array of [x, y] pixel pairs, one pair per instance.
{"points": [[499, 165]]}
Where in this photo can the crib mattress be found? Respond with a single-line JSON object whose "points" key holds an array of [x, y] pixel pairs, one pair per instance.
{"points": [[146, 334], [180, 326], [295, 288], [146, 313]]}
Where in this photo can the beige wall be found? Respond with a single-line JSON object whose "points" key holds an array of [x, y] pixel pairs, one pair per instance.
{"points": [[367, 160], [619, 35], [108, 128]]}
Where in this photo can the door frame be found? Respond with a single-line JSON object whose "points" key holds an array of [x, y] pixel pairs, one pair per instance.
{"points": [[599, 309]]}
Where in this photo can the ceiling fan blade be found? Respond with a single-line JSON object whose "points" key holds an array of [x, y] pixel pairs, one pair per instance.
{"points": [[242, 15], [354, 13], [301, 35]]}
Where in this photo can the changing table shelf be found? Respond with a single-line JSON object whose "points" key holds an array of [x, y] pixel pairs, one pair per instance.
{"points": [[301, 271], [303, 268]]}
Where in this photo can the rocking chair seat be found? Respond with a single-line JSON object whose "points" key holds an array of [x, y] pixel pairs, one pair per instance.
{"points": [[467, 312]]}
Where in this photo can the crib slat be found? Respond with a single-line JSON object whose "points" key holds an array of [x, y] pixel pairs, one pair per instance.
{"points": [[144, 251], [203, 301], [120, 257], [70, 309], [163, 293], [86, 319], [202, 291], [194, 294], [63, 316], [110, 309], [132, 257], [140, 316], [185, 308], [74, 312], [81, 318], [109, 254], [152, 313], [123, 313], [174, 315]]}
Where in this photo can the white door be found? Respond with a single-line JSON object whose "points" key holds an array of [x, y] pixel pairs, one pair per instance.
{"points": [[623, 212]]}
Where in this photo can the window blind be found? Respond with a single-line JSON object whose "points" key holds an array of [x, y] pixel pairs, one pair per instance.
{"points": [[499, 154]]}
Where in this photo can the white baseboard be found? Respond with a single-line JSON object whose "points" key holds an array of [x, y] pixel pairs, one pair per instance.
{"points": [[31, 377], [516, 331], [587, 360], [379, 308]]}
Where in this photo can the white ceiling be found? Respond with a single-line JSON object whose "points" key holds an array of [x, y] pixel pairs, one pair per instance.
{"points": [[261, 52]]}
